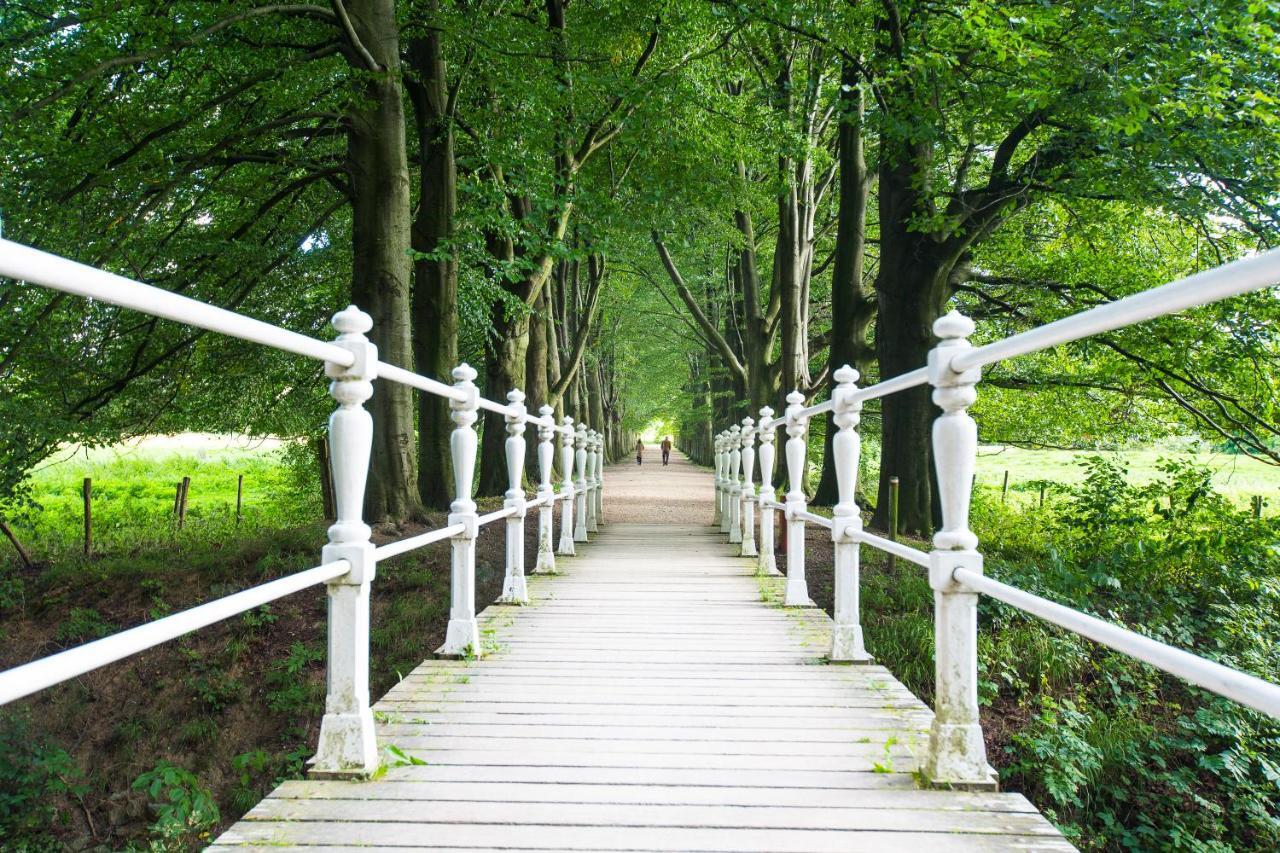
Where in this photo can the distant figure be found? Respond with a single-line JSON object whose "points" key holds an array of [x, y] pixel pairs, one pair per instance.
{"points": [[666, 450], [639, 451]]}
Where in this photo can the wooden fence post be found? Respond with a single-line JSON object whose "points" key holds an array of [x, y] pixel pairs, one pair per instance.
{"points": [[239, 498], [957, 755], [462, 637], [184, 490], [1004, 490], [567, 498], [87, 491], [17, 546], [797, 590], [894, 486], [347, 746], [846, 522], [514, 588]]}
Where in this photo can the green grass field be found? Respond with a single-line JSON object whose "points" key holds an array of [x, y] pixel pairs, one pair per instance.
{"points": [[1237, 476], [134, 488]]}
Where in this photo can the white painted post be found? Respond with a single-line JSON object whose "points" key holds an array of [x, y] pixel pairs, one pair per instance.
{"points": [[347, 747], [593, 485], [717, 457], [957, 755], [846, 521], [747, 510], [735, 484], [797, 426], [580, 484], [567, 497], [725, 514], [514, 588], [546, 564], [600, 479], [768, 563], [463, 635]]}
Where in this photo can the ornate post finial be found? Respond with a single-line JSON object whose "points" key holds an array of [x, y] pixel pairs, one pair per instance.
{"points": [[463, 634], [566, 488], [846, 522]]}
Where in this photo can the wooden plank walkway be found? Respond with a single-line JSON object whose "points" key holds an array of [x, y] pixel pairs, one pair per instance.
{"points": [[648, 699]]}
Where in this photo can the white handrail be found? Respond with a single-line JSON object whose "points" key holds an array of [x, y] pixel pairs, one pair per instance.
{"points": [[901, 382], [417, 380], [402, 546], [495, 516], [1244, 688], [819, 520], [27, 264], [45, 672], [906, 552], [1228, 280]]}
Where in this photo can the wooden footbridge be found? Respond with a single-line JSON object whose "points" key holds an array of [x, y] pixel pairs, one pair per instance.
{"points": [[662, 687], [652, 696]]}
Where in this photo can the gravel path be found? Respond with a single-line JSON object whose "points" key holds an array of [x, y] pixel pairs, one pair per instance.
{"points": [[680, 493]]}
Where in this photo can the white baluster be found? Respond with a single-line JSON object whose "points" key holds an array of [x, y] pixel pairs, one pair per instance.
{"points": [[846, 521], [600, 479], [735, 484], [347, 747], [463, 635], [580, 483], [566, 489], [797, 447], [593, 486], [957, 755], [546, 564], [768, 563], [747, 510], [514, 588], [722, 456]]}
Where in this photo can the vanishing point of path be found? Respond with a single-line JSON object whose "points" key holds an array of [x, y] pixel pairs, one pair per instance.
{"points": [[648, 699]]}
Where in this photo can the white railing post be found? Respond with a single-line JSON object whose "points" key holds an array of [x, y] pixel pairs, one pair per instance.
{"points": [[348, 747], [600, 479], [957, 755], [725, 515], [546, 564], [768, 563], [463, 635], [797, 426], [735, 484], [593, 485], [514, 588], [567, 497], [846, 522], [580, 484], [715, 458], [747, 509]]}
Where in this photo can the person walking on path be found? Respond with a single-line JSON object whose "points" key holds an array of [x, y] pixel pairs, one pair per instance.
{"points": [[666, 450], [639, 451]]}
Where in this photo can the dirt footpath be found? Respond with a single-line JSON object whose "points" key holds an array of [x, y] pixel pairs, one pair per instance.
{"points": [[680, 493]]}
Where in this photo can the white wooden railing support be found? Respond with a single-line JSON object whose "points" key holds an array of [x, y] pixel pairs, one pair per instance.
{"points": [[725, 515], [735, 484], [600, 442], [463, 635], [717, 458], [593, 482], [747, 510], [347, 747], [546, 563], [515, 590], [957, 755], [567, 497], [767, 563], [797, 425], [580, 484], [846, 522]]}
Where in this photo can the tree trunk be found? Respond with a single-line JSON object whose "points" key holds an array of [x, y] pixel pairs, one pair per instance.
{"points": [[435, 281], [505, 352], [380, 261], [851, 310]]}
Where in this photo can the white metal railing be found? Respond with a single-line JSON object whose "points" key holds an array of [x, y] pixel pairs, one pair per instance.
{"points": [[347, 747], [956, 755]]}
